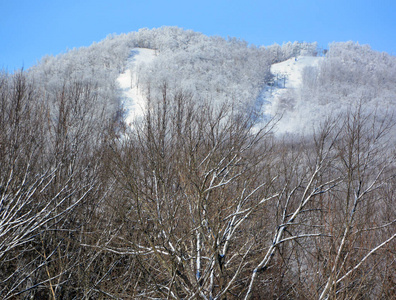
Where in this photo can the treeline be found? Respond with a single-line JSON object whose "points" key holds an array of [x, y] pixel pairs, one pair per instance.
{"points": [[193, 201]]}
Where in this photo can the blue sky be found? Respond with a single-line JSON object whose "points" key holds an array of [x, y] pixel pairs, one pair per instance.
{"points": [[31, 29]]}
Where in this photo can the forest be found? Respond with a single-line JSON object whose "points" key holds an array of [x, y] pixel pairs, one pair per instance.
{"points": [[203, 197]]}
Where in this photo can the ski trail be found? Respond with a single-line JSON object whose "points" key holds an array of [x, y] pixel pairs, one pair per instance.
{"points": [[133, 98]]}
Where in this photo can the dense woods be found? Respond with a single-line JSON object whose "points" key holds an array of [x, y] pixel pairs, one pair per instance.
{"points": [[200, 198]]}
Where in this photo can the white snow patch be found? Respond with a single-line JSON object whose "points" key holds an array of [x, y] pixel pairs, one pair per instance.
{"points": [[293, 69], [283, 97], [134, 99]]}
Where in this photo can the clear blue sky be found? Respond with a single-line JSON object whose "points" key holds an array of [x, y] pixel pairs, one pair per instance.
{"points": [[30, 29]]}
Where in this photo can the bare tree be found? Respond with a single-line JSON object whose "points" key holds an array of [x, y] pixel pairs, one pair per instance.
{"points": [[200, 182], [193, 201], [47, 174], [191, 183], [365, 160]]}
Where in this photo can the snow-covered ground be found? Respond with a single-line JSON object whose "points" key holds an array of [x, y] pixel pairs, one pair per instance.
{"points": [[293, 69], [134, 99], [287, 75], [282, 98]]}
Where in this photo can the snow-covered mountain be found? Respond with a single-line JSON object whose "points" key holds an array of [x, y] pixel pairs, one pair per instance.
{"points": [[291, 71], [288, 79], [286, 85], [291, 80]]}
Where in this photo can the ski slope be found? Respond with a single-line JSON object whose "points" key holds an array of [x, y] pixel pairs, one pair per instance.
{"points": [[283, 97], [133, 98], [293, 69]]}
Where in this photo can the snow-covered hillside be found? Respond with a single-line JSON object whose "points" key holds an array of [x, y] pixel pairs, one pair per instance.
{"points": [[287, 80], [134, 99], [293, 68], [285, 86], [282, 96]]}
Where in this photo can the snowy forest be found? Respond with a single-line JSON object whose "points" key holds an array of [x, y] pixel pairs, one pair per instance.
{"points": [[219, 178]]}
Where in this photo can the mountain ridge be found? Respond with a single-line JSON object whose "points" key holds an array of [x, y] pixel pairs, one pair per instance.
{"points": [[219, 70]]}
